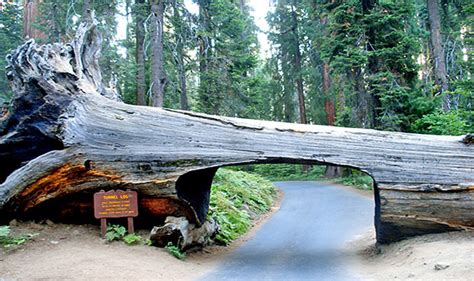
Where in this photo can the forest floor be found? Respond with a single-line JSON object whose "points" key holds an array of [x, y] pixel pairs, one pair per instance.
{"points": [[75, 252]]}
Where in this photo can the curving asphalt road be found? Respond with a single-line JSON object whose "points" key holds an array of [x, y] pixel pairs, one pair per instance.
{"points": [[304, 239]]}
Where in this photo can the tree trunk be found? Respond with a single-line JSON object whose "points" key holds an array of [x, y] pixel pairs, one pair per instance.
{"points": [[205, 51], [182, 82], [336, 172], [297, 67], [361, 101], [180, 58], [373, 103], [30, 18], [66, 139], [332, 171], [158, 77], [439, 63], [140, 52], [329, 104]]}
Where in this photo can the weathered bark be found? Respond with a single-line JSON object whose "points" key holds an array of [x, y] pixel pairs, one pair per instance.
{"points": [[140, 51], [66, 139], [158, 77], [439, 62]]}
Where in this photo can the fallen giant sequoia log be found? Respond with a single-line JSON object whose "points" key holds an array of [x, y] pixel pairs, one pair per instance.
{"points": [[68, 136]]}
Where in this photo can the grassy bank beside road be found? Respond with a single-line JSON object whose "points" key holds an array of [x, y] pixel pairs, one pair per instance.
{"points": [[237, 199]]}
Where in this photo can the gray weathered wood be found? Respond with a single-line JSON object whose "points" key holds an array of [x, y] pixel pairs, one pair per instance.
{"points": [[66, 138]]}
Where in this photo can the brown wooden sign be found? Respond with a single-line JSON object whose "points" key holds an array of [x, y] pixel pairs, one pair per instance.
{"points": [[115, 204]]}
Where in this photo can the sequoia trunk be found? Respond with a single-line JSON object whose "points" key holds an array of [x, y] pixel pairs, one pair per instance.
{"points": [[158, 77], [439, 62]]}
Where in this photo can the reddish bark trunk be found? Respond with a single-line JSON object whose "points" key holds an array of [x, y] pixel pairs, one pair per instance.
{"points": [[30, 18], [329, 104]]}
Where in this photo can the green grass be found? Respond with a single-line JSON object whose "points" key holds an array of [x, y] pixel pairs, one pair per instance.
{"points": [[237, 198]]}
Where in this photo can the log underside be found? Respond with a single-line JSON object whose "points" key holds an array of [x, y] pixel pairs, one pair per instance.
{"points": [[67, 137]]}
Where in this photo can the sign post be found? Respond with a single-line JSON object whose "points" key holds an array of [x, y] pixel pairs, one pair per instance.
{"points": [[115, 204]]}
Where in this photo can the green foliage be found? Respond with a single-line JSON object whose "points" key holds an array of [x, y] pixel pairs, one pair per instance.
{"points": [[236, 199], [10, 37], [289, 172], [227, 58], [7, 240], [450, 123], [4, 231], [175, 251], [379, 58], [115, 232], [132, 239], [374, 51], [358, 180], [283, 172]]}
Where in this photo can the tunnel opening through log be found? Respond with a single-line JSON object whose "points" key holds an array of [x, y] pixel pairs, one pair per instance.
{"points": [[196, 187]]}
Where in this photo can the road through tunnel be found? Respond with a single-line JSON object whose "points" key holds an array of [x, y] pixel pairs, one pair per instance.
{"points": [[195, 187]]}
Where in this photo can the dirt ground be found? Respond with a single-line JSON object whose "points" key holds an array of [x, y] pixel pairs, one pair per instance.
{"points": [[69, 252], [72, 252], [446, 256], [76, 252]]}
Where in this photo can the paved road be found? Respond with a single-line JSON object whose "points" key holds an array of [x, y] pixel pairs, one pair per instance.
{"points": [[304, 239]]}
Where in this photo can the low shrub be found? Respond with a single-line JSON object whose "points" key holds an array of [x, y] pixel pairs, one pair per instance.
{"points": [[117, 232], [175, 251], [8, 240]]}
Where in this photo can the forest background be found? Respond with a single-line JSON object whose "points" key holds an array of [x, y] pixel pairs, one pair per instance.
{"points": [[383, 64]]}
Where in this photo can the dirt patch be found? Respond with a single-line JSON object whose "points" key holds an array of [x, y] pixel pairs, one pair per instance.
{"points": [[76, 252], [446, 256]]}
